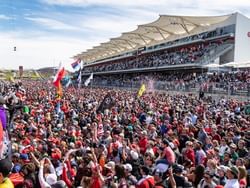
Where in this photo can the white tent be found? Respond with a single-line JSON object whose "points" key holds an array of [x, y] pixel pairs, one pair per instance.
{"points": [[212, 65], [165, 28], [236, 64]]}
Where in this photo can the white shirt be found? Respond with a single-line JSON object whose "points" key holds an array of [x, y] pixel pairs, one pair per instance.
{"points": [[222, 150], [233, 183]]}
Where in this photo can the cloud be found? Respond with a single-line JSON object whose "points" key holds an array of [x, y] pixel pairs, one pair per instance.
{"points": [[109, 26], [87, 23], [4, 17], [103, 2], [191, 7], [44, 51], [51, 23], [147, 3]]}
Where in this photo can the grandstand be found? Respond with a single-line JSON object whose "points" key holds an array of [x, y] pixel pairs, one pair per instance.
{"points": [[168, 46], [47, 72]]}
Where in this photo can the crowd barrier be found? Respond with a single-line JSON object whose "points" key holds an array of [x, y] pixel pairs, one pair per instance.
{"points": [[227, 89]]}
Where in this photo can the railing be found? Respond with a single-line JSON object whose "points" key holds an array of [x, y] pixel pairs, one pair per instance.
{"points": [[228, 89], [212, 55]]}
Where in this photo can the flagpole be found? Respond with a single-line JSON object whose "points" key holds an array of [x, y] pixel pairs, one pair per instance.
{"points": [[91, 86], [80, 76]]}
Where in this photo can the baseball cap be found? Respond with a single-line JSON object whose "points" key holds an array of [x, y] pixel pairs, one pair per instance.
{"points": [[59, 184], [128, 167], [134, 155], [157, 172], [110, 165], [51, 179], [24, 157]]}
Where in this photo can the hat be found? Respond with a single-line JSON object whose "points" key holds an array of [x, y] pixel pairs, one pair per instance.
{"points": [[16, 168], [189, 143], [199, 142], [78, 143], [110, 165], [157, 172], [5, 167], [223, 168], [128, 167], [178, 168], [24, 157], [51, 179], [134, 155], [56, 155], [233, 146], [26, 141], [59, 125], [2, 101], [72, 145], [234, 170], [59, 184]]}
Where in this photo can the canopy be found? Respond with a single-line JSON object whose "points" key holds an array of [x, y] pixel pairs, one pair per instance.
{"points": [[165, 28], [237, 64]]}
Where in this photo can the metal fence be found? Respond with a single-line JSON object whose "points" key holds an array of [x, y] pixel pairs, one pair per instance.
{"points": [[229, 89]]}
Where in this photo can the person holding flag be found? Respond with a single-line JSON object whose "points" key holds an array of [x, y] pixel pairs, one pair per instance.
{"points": [[141, 90], [76, 65], [57, 81], [79, 78], [86, 83]]}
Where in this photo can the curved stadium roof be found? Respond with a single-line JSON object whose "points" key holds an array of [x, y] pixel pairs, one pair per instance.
{"points": [[165, 28]]}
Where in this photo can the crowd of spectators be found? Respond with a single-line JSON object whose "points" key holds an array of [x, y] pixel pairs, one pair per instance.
{"points": [[237, 81], [157, 140], [173, 56]]}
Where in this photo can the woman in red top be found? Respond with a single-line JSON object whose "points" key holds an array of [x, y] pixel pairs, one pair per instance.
{"points": [[146, 181]]}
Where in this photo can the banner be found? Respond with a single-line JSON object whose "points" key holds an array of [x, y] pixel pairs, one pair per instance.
{"points": [[107, 103], [141, 90], [86, 83], [76, 65], [79, 78]]}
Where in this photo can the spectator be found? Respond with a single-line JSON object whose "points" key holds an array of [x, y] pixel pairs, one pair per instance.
{"points": [[232, 175], [5, 169]]}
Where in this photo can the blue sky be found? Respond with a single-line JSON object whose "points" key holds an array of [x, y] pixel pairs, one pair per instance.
{"points": [[47, 32]]}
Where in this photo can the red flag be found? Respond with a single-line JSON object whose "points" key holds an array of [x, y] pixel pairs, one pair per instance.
{"points": [[59, 76]]}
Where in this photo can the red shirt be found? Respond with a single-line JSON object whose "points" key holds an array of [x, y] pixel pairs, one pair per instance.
{"points": [[16, 178], [189, 153], [169, 154], [143, 145], [96, 183], [243, 182], [147, 183]]}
